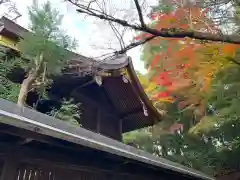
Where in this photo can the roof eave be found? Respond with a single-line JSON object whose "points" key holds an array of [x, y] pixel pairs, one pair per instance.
{"points": [[31, 120], [138, 89]]}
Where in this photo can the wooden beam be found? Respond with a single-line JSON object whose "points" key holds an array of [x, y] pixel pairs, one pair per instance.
{"points": [[98, 120], [28, 137], [86, 84], [120, 129]]}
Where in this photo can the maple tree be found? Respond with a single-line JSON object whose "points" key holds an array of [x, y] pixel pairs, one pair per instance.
{"points": [[220, 11], [177, 66], [196, 84]]}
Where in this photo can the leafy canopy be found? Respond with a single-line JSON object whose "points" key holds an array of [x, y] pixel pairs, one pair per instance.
{"points": [[46, 38], [195, 86]]}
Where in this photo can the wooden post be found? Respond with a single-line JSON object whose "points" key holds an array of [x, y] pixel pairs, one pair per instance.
{"points": [[98, 120], [120, 129], [9, 168]]}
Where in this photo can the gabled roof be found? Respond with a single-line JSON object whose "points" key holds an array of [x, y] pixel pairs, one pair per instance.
{"points": [[30, 120]]}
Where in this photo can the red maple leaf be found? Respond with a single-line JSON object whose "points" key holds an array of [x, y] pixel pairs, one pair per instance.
{"points": [[137, 38], [163, 94], [154, 16]]}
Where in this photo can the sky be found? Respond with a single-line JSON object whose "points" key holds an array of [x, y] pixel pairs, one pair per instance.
{"points": [[93, 36]]}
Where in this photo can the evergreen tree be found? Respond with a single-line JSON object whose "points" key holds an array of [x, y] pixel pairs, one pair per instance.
{"points": [[69, 112], [46, 47]]}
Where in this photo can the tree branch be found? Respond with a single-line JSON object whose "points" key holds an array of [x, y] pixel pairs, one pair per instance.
{"points": [[134, 44], [234, 61], [128, 47], [11, 8], [117, 34], [140, 15], [172, 33]]}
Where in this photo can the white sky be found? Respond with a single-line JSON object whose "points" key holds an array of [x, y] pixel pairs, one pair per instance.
{"points": [[85, 30]]}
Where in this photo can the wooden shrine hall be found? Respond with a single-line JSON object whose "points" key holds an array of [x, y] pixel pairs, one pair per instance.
{"points": [[111, 99], [35, 146]]}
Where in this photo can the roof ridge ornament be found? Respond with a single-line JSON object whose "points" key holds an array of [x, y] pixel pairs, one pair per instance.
{"points": [[125, 79], [145, 111], [98, 79]]}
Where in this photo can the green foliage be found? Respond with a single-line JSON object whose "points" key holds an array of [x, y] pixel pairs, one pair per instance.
{"points": [[142, 138], [47, 48], [8, 89], [164, 6], [209, 140], [69, 112], [46, 38], [212, 144]]}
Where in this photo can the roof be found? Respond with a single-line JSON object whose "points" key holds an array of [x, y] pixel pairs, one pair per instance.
{"points": [[126, 99], [14, 31], [11, 28], [25, 118]]}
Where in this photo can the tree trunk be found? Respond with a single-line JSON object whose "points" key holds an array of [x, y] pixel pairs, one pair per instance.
{"points": [[164, 151], [25, 86], [27, 83]]}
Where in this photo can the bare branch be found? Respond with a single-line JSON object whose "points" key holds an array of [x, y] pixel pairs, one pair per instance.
{"points": [[11, 6], [123, 51], [3, 1], [167, 32], [140, 15], [89, 4], [117, 34], [134, 44]]}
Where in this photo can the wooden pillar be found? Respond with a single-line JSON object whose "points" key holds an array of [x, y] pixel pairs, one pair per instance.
{"points": [[120, 130], [9, 171], [98, 120]]}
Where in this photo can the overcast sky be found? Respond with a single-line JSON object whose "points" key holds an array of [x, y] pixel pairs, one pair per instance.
{"points": [[87, 31]]}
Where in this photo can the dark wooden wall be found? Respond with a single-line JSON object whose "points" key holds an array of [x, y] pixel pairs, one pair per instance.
{"points": [[18, 163], [41, 171], [24, 163], [97, 114], [30, 155], [96, 120]]}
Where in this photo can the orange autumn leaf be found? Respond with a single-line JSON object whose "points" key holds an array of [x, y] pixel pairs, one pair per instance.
{"points": [[230, 49], [183, 63], [155, 60]]}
